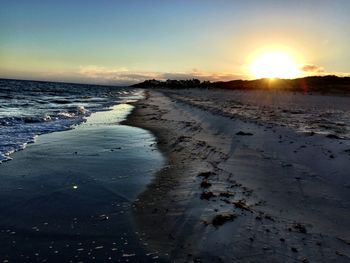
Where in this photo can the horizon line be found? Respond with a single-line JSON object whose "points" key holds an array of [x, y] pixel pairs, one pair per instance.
{"points": [[130, 85]]}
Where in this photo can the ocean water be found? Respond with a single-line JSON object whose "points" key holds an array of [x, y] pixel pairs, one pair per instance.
{"points": [[31, 108], [69, 197]]}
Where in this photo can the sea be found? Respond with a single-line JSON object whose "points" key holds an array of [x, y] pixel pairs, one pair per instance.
{"points": [[32, 108], [71, 173]]}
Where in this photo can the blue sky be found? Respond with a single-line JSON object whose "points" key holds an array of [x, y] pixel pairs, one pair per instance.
{"points": [[128, 41]]}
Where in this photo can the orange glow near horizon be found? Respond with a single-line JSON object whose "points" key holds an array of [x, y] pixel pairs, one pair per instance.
{"points": [[274, 64]]}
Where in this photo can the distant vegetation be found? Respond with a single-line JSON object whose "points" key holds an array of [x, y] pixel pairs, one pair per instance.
{"points": [[190, 83], [324, 84]]}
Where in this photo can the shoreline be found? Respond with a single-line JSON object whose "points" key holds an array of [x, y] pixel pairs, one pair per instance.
{"points": [[208, 197], [159, 209], [230, 189], [147, 212], [69, 196]]}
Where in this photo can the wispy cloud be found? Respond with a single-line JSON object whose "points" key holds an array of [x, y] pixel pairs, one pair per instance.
{"points": [[315, 70], [120, 76], [123, 76], [312, 68], [97, 71]]}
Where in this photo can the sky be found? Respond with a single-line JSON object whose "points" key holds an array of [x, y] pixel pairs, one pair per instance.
{"points": [[123, 42]]}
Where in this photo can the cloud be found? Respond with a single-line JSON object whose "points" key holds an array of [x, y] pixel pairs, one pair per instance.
{"points": [[119, 76], [312, 68], [123, 76], [94, 74], [97, 71]]}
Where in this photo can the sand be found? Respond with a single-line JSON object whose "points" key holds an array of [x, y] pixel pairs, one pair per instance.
{"points": [[248, 177], [240, 188]]}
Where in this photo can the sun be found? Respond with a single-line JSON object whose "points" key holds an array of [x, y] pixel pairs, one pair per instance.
{"points": [[274, 65]]}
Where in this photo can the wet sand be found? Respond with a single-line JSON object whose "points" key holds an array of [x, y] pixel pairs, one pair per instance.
{"points": [[240, 190], [69, 196]]}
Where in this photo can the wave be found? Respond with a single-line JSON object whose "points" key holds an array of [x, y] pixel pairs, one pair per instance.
{"points": [[29, 109]]}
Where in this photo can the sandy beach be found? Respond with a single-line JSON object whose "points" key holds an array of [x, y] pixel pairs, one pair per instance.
{"points": [[248, 177], [212, 176], [175, 131]]}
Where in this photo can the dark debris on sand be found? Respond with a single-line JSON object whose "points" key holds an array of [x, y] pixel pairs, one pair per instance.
{"points": [[207, 195], [300, 228], [205, 184], [242, 205], [242, 133], [206, 175], [221, 219], [226, 194]]}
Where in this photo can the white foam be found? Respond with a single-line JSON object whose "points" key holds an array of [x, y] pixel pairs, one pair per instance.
{"points": [[26, 112]]}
